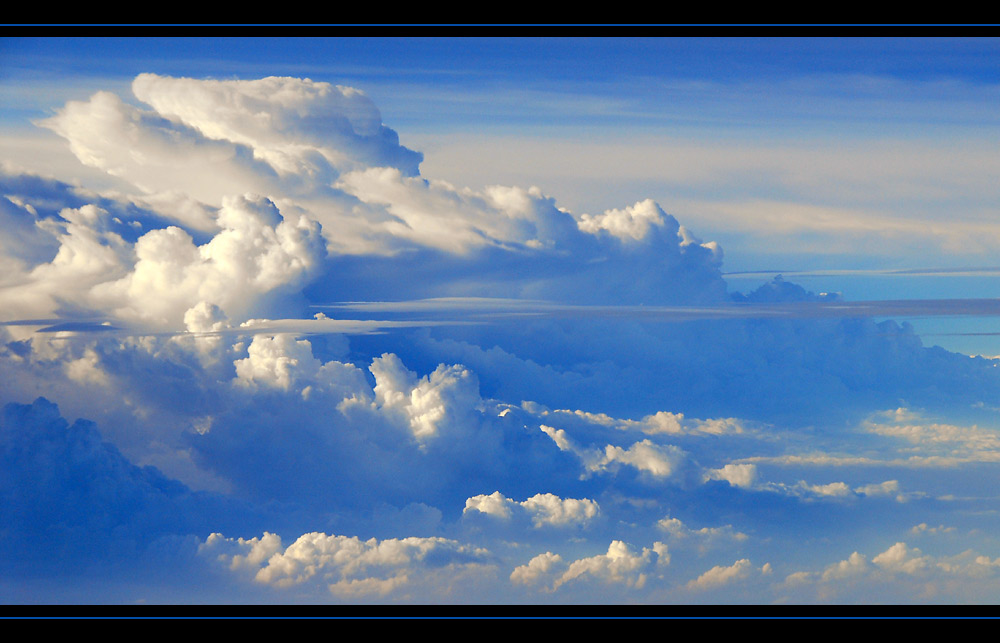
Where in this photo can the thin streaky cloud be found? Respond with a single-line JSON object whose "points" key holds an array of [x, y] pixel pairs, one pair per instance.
{"points": [[499, 308]]}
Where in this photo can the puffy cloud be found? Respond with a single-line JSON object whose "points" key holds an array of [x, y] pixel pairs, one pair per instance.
{"points": [[900, 573], [539, 567], [619, 565], [154, 153], [738, 475], [661, 422], [441, 400], [348, 566], [550, 509], [545, 509], [657, 460], [165, 274], [256, 252], [722, 575], [276, 362], [629, 224], [436, 214], [900, 558], [705, 537], [495, 504], [855, 565], [290, 123]]}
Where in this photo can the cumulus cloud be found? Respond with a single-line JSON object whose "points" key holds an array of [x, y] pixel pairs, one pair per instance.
{"points": [[348, 566], [292, 124], [539, 567], [427, 405], [901, 573], [705, 538], [654, 460], [738, 475], [322, 152], [545, 509], [619, 565], [256, 252], [165, 274], [722, 575]]}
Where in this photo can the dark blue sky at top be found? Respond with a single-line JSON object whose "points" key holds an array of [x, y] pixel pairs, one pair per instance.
{"points": [[461, 59], [631, 65]]}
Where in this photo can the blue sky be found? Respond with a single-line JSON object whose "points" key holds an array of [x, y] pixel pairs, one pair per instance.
{"points": [[505, 320]]}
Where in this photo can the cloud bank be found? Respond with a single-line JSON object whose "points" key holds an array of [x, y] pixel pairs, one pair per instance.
{"points": [[523, 403]]}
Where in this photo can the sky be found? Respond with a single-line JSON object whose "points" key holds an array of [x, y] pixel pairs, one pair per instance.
{"points": [[526, 321]]}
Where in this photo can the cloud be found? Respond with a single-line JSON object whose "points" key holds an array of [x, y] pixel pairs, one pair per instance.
{"points": [[165, 274], [541, 566], [293, 124], [900, 573], [721, 575], [591, 370], [654, 460], [545, 509], [72, 500], [348, 567], [705, 537], [619, 565], [738, 475], [256, 252]]}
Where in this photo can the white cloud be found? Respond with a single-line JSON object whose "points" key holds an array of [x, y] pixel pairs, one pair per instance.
{"points": [[660, 461], [429, 405], [495, 504], [256, 252], [705, 537], [646, 456], [276, 362], [153, 153], [347, 566], [722, 575], [544, 509], [738, 475], [661, 422], [619, 565], [629, 224], [856, 564], [290, 123], [164, 275], [538, 568], [901, 559]]}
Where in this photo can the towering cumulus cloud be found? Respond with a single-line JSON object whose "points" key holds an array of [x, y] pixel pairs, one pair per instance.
{"points": [[305, 372]]}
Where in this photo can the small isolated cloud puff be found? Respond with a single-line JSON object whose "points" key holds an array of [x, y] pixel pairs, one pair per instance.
{"points": [[705, 537], [738, 475], [721, 575], [544, 509]]}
